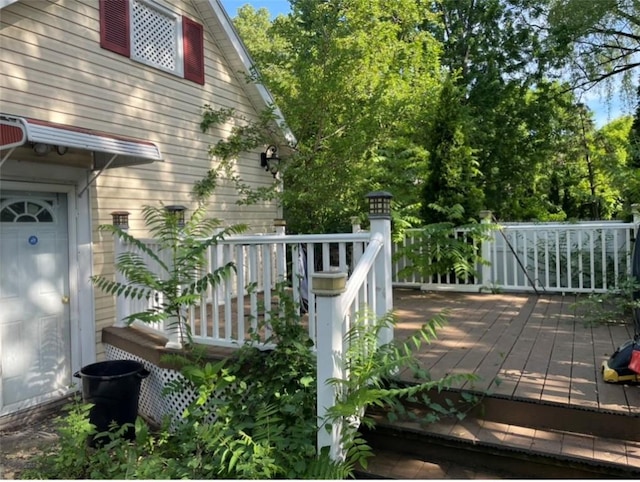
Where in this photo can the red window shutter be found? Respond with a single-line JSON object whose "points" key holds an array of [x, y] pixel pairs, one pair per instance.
{"points": [[193, 50], [114, 26]]}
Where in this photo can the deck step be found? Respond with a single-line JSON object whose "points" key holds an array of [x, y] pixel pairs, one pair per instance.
{"points": [[507, 438], [542, 414], [515, 451]]}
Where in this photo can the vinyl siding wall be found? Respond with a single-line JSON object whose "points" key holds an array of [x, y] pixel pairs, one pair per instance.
{"points": [[54, 69]]}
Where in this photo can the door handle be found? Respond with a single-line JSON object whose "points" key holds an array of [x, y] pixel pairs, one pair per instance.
{"points": [[65, 300]]}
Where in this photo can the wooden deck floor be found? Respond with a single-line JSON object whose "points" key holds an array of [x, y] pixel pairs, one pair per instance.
{"points": [[540, 352], [534, 346]]}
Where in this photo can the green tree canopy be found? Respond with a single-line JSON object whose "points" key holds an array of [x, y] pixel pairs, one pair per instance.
{"points": [[350, 76], [444, 103], [598, 41]]}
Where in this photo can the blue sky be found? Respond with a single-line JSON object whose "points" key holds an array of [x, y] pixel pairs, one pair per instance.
{"points": [[603, 113], [275, 7]]}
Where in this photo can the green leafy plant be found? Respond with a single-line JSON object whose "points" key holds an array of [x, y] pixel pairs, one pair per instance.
{"points": [[71, 456], [371, 382], [442, 248], [614, 306], [171, 271], [261, 399], [245, 136]]}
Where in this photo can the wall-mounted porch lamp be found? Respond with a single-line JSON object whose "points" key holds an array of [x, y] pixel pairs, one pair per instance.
{"points": [[42, 149], [178, 212], [270, 160]]}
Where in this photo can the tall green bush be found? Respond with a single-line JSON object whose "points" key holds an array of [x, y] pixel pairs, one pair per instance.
{"points": [[170, 269]]}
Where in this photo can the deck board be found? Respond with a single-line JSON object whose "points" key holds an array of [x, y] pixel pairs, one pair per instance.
{"points": [[519, 345]]}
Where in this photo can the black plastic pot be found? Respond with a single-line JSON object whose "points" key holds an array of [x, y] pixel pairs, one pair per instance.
{"points": [[114, 388]]}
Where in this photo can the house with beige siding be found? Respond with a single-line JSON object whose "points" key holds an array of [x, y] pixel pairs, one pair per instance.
{"points": [[100, 111]]}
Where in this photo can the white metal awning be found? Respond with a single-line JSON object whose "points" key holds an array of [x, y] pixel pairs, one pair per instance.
{"points": [[108, 150]]}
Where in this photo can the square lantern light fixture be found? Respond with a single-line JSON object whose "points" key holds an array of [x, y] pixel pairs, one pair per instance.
{"points": [[379, 204], [177, 211], [120, 219]]}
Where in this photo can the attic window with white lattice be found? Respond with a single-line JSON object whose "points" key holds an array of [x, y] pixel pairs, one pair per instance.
{"points": [[155, 37], [152, 34]]}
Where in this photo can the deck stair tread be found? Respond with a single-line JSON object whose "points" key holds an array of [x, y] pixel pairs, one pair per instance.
{"points": [[388, 464], [607, 456]]}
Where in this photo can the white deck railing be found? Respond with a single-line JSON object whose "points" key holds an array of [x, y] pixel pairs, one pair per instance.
{"points": [[544, 257], [359, 261], [334, 278], [263, 265]]}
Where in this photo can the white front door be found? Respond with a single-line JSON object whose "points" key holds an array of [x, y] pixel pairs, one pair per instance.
{"points": [[35, 345]]}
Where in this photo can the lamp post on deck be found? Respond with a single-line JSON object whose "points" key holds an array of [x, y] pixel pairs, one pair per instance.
{"points": [[329, 287], [380, 222], [120, 219]]}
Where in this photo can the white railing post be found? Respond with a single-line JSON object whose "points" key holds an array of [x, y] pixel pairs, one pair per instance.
{"points": [[485, 251], [635, 210], [357, 248], [120, 220], [328, 286], [171, 326], [355, 224], [380, 221], [280, 226]]}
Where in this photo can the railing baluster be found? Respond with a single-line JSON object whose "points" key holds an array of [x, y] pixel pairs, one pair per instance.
{"points": [[605, 282], [326, 256], [568, 254], [296, 274], [536, 270], [514, 244], [342, 257], [266, 281], [311, 259], [505, 265], [240, 285], [253, 278], [580, 268], [616, 258], [228, 312], [558, 264]]}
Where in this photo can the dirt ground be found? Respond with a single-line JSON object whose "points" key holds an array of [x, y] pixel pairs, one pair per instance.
{"points": [[18, 445]]}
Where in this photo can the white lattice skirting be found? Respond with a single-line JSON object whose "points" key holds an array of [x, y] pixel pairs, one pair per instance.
{"points": [[153, 404]]}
